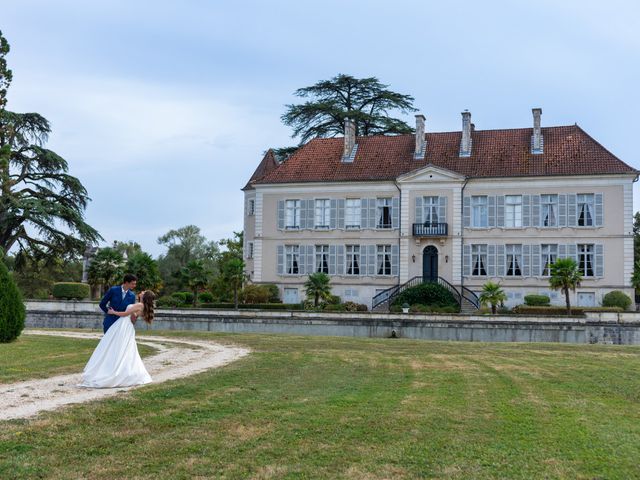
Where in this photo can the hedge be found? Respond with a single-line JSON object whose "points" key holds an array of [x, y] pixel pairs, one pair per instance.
{"points": [[430, 293], [555, 310], [616, 298], [257, 306], [536, 300], [71, 290]]}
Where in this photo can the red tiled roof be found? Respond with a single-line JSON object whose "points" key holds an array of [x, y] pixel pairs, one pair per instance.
{"points": [[266, 166], [495, 153]]}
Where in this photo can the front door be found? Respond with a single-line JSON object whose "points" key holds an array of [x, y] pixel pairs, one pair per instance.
{"points": [[429, 263]]}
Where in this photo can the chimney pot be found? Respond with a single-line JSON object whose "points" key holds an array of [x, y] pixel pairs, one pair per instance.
{"points": [[537, 141], [421, 143], [465, 142]]}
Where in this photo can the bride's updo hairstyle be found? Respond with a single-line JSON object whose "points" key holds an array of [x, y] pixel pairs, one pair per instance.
{"points": [[147, 306]]}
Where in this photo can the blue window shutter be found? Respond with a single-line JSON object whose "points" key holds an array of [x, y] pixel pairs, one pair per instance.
{"points": [[466, 211], [526, 260], [280, 251], [341, 213], [535, 210], [332, 259], [281, 214], [333, 220], [364, 223], [599, 254], [466, 257], [419, 209], [371, 258], [536, 270], [562, 210], [442, 209], [500, 211], [340, 260], [526, 210], [395, 213], [599, 199], [491, 260], [500, 261], [491, 210], [572, 207], [395, 259]]}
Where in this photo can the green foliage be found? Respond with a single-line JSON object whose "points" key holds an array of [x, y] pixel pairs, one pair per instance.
{"points": [[232, 273], [366, 101], [274, 292], [564, 277], [616, 298], [317, 287], [107, 268], [255, 294], [256, 306], [12, 311], [143, 266], [536, 300], [492, 294], [185, 298], [168, 301], [575, 311], [35, 277], [71, 290], [419, 308], [195, 276], [430, 293], [333, 300], [206, 297]]}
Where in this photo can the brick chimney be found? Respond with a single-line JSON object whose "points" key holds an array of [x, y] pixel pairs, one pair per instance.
{"points": [[350, 146], [421, 142], [537, 141], [465, 142]]}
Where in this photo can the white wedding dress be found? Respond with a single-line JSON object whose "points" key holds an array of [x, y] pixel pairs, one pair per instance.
{"points": [[116, 362]]}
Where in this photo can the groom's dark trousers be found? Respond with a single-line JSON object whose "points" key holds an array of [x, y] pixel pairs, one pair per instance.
{"points": [[114, 299]]}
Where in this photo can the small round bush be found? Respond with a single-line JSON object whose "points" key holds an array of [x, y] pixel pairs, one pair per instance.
{"points": [[274, 293], [71, 290], [362, 308], [183, 297], [255, 294], [536, 300], [205, 297], [12, 311], [168, 302], [616, 299]]}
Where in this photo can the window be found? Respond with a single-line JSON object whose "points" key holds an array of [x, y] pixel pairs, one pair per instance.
{"points": [[585, 260], [513, 211], [353, 259], [351, 294], [322, 258], [252, 207], [514, 260], [430, 210], [292, 214], [250, 253], [292, 259], [352, 214], [384, 260], [548, 256], [479, 211], [323, 213], [585, 209], [478, 260], [548, 210], [384, 213]]}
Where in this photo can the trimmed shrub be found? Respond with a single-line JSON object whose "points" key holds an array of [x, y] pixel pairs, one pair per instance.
{"points": [[395, 309], [168, 302], [205, 297], [333, 307], [12, 311], [616, 299], [333, 300], [258, 306], [419, 308], [362, 308], [448, 309], [255, 294], [185, 298], [537, 300], [427, 294], [71, 290], [562, 311], [274, 293]]}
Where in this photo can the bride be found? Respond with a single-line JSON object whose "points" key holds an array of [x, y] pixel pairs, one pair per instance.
{"points": [[115, 361]]}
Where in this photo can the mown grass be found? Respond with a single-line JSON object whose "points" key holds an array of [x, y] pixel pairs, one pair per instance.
{"points": [[41, 356], [313, 407]]}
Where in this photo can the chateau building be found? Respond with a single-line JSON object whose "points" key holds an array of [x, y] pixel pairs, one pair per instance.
{"points": [[464, 207]]}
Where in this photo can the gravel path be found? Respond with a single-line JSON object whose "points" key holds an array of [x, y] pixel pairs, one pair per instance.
{"points": [[176, 358]]}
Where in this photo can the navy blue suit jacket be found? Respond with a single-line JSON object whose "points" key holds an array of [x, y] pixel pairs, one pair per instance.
{"points": [[113, 298]]}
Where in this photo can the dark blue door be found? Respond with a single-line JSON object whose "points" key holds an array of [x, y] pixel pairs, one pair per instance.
{"points": [[429, 264]]}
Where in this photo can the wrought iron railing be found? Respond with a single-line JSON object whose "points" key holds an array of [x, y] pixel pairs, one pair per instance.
{"points": [[429, 229], [388, 296], [470, 296]]}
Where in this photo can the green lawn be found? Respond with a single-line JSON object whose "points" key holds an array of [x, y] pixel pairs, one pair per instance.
{"points": [[318, 407], [41, 356]]}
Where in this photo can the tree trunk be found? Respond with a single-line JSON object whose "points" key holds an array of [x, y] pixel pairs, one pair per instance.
{"points": [[493, 308], [566, 296]]}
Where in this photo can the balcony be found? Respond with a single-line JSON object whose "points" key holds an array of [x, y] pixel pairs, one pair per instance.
{"points": [[428, 229]]}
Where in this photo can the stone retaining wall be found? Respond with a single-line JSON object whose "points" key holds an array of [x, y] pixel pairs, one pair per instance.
{"points": [[611, 328]]}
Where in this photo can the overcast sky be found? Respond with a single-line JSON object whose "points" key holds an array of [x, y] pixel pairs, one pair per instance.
{"points": [[164, 108]]}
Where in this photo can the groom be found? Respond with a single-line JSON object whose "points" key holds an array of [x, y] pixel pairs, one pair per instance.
{"points": [[118, 298]]}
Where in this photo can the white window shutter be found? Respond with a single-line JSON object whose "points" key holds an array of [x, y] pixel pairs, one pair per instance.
{"points": [[281, 214], [395, 259], [526, 210], [500, 261], [599, 199], [500, 211], [466, 249], [562, 210], [599, 254], [572, 206], [333, 220], [535, 210], [466, 211], [419, 209], [491, 210], [280, 255], [491, 260], [340, 220], [442, 209]]}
